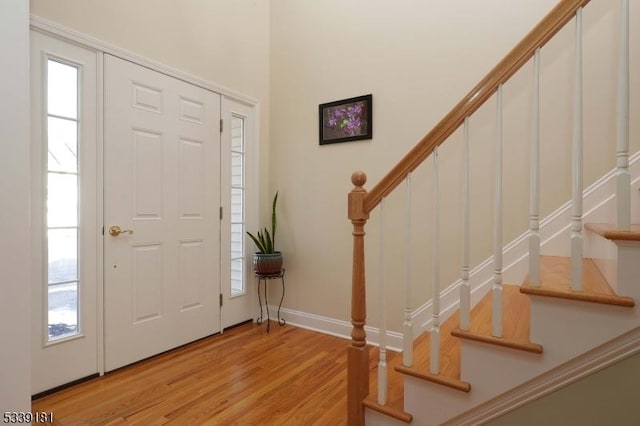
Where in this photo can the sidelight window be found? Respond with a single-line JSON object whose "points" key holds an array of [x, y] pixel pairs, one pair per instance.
{"points": [[62, 188], [238, 263]]}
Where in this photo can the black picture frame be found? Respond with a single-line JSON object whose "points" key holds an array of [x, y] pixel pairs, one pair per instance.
{"points": [[346, 120]]}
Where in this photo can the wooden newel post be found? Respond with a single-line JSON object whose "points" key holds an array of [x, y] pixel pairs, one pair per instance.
{"points": [[358, 352]]}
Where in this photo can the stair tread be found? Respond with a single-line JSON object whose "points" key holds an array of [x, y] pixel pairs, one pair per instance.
{"points": [[449, 357], [609, 231], [440, 379], [555, 281], [515, 324], [388, 409]]}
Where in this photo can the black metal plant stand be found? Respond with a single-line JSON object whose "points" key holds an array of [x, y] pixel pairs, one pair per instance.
{"points": [[261, 278]]}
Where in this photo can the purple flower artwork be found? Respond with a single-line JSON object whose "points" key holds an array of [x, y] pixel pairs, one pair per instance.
{"points": [[346, 120]]}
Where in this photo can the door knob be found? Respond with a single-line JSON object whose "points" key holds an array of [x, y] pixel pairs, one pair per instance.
{"points": [[115, 230]]}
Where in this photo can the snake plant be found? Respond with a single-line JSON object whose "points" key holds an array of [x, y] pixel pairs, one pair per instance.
{"points": [[265, 240]]}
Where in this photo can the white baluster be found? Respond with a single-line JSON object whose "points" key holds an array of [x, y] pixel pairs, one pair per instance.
{"points": [[576, 220], [623, 193], [435, 289], [382, 361], [497, 238], [407, 325], [534, 182], [465, 289]]}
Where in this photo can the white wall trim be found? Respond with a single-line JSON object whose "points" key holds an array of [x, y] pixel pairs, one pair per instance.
{"points": [[332, 327], [582, 366], [56, 30], [100, 213]]}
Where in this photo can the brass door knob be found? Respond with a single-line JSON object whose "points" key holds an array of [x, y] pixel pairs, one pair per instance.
{"points": [[115, 230]]}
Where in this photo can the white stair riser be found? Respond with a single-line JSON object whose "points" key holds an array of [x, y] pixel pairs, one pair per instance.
{"points": [[434, 404], [604, 254], [618, 261], [374, 418], [567, 328], [628, 270], [494, 369]]}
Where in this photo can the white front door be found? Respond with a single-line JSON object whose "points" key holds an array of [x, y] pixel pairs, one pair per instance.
{"points": [[162, 188], [65, 234]]}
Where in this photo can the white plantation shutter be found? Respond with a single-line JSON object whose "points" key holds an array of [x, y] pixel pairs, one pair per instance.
{"points": [[237, 205]]}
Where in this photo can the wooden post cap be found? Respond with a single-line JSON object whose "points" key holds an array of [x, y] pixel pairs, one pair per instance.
{"points": [[358, 178]]}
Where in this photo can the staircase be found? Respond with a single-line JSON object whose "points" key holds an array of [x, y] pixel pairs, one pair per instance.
{"points": [[572, 309]]}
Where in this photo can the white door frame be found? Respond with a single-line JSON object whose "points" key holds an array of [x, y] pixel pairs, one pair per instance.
{"points": [[54, 29]]}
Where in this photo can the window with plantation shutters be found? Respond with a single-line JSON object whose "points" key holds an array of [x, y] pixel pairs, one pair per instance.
{"points": [[238, 263]]}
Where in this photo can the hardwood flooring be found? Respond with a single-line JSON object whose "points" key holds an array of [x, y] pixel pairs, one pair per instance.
{"points": [[245, 376]]}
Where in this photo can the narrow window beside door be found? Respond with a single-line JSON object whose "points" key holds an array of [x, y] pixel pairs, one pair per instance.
{"points": [[62, 199], [237, 206]]}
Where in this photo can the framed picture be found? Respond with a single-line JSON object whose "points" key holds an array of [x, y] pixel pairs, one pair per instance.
{"points": [[346, 120]]}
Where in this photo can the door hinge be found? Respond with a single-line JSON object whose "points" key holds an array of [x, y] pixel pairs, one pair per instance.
{"points": [[220, 299], [103, 230], [221, 125], [220, 212]]}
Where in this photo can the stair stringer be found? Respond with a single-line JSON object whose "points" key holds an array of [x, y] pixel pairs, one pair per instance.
{"points": [[565, 329], [578, 368]]}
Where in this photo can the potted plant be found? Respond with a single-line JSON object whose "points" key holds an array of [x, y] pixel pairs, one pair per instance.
{"points": [[267, 261]]}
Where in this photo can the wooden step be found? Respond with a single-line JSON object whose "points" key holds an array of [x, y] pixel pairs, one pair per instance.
{"points": [[449, 358], [555, 277], [395, 389], [515, 324], [609, 231], [388, 410]]}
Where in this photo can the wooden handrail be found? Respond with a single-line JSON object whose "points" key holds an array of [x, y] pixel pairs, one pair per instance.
{"points": [[552, 23]]}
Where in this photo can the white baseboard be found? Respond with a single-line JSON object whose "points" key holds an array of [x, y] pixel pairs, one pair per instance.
{"points": [[334, 327], [584, 365]]}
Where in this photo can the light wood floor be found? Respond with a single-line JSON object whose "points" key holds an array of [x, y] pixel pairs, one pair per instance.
{"points": [[245, 376]]}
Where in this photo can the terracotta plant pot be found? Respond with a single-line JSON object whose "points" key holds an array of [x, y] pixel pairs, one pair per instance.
{"points": [[267, 263]]}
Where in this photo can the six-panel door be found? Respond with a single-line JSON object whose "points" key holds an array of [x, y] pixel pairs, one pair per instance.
{"points": [[161, 183]]}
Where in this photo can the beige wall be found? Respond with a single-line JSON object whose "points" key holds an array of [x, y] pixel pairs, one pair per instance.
{"points": [[609, 397], [222, 41], [418, 58], [15, 315]]}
